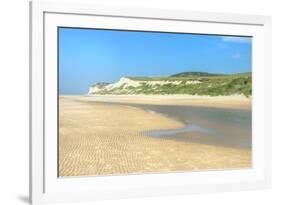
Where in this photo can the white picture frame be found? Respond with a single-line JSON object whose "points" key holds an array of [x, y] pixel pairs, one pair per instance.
{"points": [[46, 187]]}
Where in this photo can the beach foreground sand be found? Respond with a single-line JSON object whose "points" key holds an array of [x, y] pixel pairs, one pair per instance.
{"points": [[97, 138], [233, 101]]}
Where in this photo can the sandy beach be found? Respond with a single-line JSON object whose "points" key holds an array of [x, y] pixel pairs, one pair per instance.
{"points": [[234, 101], [98, 137]]}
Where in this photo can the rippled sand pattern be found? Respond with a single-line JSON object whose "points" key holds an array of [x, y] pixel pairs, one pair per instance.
{"points": [[103, 139]]}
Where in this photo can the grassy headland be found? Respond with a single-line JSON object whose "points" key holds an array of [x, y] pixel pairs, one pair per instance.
{"points": [[192, 83]]}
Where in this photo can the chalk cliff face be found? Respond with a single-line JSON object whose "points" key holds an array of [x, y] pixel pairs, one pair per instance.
{"points": [[96, 88], [191, 83], [134, 86]]}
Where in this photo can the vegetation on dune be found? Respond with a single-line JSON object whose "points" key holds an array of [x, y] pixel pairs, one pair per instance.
{"points": [[207, 84], [212, 86]]}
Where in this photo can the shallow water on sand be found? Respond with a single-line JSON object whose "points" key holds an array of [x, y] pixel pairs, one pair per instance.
{"points": [[205, 125]]}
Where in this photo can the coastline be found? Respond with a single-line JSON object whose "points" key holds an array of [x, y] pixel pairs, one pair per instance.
{"points": [[233, 101]]}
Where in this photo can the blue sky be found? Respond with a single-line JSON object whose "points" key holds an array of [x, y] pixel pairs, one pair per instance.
{"points": [[87, 56]]}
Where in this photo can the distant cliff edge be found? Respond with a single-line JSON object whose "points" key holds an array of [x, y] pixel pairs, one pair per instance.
{"points": [[192, 83]]}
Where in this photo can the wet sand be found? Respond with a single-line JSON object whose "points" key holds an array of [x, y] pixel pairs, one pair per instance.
{"points": [[101, 138], [229, 127]]}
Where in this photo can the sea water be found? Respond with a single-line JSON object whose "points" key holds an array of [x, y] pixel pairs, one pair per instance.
{"points": [[205, 125]]}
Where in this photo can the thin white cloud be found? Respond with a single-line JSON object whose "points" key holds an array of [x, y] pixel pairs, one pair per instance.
{"points": [[234, 39], [236, 56]]}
